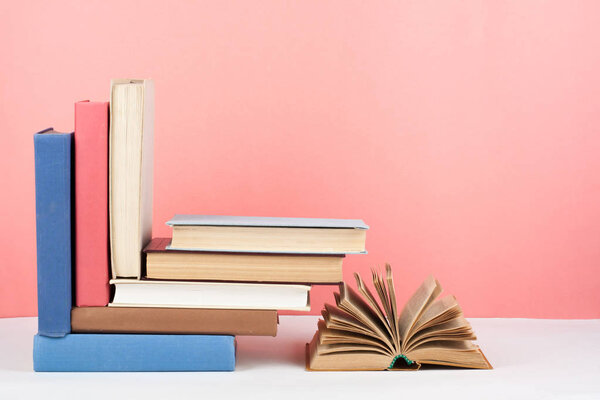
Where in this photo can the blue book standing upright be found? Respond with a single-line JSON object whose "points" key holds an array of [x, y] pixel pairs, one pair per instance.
{"points": [[53, 167]]}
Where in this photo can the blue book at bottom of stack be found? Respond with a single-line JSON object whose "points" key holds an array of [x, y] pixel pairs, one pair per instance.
{"points": [[124, 352]]}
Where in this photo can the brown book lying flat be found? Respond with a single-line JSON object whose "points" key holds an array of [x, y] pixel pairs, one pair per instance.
{"points": [[363, 332], [239, 267], [173, 321]]}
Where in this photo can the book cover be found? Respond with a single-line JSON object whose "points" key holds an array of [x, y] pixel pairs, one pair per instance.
{"points": [[240, 267], [282, 222], [91, 204], [53, 160], [131, 353], [174, 321]]}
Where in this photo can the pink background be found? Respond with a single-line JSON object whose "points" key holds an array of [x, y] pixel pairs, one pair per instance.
{"points": [[465, 133]]}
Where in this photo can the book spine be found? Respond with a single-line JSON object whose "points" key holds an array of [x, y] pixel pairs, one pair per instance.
{"points": [[131, 353], [91, 204], [53, 158], [173, 320]]}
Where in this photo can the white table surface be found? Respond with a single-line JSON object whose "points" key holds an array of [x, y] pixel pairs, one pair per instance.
{"points": [[532, 359]]}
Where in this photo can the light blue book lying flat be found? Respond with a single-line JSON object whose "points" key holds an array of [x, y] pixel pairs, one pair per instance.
{"points": [[282, 222], [119, 353]]}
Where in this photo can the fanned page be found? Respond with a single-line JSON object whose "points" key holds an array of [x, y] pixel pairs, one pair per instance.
{"points": [[363, 332]]}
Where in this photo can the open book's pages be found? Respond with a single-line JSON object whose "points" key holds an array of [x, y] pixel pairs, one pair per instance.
{"points": [[131, 158], [241, 267], [178, 294], [267, 234], [365, 332]]}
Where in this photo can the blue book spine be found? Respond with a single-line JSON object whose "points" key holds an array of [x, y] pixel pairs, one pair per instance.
{"points": [[53, 161], [118, 353]]}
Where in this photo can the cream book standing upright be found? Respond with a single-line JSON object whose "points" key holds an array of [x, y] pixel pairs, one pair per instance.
{"points": [[131, 160]]}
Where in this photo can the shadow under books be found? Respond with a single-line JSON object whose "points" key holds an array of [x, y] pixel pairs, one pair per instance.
{"points": [[260, 351]]}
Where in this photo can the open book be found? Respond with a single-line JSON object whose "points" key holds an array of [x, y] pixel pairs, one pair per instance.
{"points": [[365, 333]]}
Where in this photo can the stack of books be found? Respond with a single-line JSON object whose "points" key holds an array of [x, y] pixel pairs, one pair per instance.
{"points": [[112, 298]]}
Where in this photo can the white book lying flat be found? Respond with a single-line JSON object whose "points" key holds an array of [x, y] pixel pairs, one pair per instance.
{"points": [[134, 293]]}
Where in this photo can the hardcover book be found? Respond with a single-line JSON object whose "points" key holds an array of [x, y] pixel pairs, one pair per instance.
{"points": [[53, 159], [131, 353], [267, 234], [242, 267], [363, 332], [173, 321], [91, 204], [131, 158], [147, 293]]}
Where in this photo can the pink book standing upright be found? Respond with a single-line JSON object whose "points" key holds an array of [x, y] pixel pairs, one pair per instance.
{"points": [[91, 204]]}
